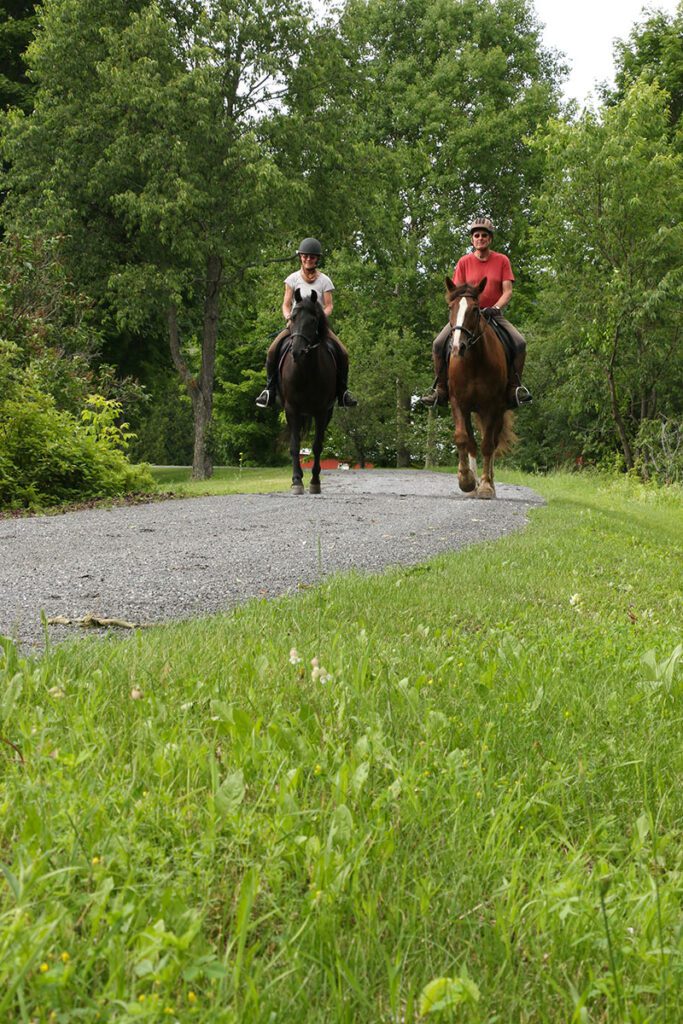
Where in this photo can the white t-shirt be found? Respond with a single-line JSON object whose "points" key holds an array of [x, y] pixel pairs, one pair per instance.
{"points": [[321, 285]]}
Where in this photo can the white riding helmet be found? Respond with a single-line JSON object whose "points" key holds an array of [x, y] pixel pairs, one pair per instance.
{"points": [[483, 223]]}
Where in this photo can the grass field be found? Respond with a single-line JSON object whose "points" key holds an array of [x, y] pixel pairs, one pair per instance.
{"points": [[468, 807], [225, 480]]}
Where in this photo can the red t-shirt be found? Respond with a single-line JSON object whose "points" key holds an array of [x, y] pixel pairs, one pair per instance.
{"points": [[496, 269]]}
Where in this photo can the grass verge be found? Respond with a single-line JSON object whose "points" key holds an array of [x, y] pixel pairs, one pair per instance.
{"points": [[468, 806], [225, 480]]}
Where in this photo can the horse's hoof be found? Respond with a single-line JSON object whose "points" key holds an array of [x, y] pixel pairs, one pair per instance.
{"points": [[467, 483], [314, 488], [486, 491], [297, 488]]}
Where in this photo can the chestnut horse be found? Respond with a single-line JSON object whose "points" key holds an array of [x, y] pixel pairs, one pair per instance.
{"points": [[308, 384], [477, 386]]}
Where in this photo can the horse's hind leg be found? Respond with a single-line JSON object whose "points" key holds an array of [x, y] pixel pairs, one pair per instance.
{"points": [[467, 450], [318, 440], [294, 444]]}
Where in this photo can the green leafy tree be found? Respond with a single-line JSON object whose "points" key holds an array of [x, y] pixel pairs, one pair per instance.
{"points": [[609, 226], [145, 150], [653, 51], [408, 119]]}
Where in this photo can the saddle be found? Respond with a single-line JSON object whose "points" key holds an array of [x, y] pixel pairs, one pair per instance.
{"points": [[503, 337], [285, 346]]}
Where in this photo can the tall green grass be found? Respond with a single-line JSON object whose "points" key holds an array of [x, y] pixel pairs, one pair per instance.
{"points": [[469, 808]]}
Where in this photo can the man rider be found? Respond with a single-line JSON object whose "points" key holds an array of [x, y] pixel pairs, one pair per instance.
{"points": [[308, 278], [481, 263]]}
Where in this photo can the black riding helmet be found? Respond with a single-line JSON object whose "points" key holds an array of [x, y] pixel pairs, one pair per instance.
{"points": [[310, 247]]}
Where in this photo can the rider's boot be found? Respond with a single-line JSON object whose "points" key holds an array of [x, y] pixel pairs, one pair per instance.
{"points": [[344, 397], [269, 393], [439, 391], [518, 394]]}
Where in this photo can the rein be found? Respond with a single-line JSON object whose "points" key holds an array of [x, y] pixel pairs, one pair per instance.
{"points": [[307, 347], [472, 337]]}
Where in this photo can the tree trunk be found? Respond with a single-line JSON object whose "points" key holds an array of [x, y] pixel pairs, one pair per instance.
{"points": [[616, 415], [200, 389]]}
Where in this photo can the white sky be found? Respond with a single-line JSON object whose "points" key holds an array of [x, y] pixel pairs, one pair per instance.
{"points": [[584, 30]]}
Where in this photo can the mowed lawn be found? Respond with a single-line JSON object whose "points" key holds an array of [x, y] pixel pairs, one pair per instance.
{"points": [[450, 792]]}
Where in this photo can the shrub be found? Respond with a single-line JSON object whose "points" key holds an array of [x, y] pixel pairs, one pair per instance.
{"points": [[47, 456]]}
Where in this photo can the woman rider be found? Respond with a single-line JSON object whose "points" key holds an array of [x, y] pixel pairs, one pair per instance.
{"points": [[308, 279], [471, 269]]}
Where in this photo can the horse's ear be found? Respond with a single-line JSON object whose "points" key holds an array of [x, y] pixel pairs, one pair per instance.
{"points": [[297, 294], [313, 296], [482, 285], [450, 287]]}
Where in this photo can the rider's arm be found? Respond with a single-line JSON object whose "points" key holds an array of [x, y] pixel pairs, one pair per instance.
{"points": [[328, 304], [506, 295], [287, 302]]}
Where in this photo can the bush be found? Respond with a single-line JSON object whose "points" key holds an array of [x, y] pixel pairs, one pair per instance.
{"points": [[659, 446], [48, 456]]}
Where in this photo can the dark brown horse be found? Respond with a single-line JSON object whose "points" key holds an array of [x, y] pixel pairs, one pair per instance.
{"points": [[477, 386], [308, 384]]}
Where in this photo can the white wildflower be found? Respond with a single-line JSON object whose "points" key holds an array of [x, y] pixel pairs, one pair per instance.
{"points": [[294, 658]]}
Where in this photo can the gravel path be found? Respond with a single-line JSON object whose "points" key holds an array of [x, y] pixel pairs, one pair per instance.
{"points": [[190, 557]]}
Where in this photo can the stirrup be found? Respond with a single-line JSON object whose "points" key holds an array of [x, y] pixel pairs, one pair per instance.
{"points": [[523, 395], [264, 399]]}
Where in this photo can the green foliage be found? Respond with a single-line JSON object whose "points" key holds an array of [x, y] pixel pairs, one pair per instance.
{"points": [[17, 24], [146, 152], [467, 808], [608, 236], [659, 444], [48, 457], [653, 51], [59, 441]]}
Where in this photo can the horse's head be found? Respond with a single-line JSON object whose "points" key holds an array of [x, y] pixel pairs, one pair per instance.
{"points": [[307, 325], [463, 303]]}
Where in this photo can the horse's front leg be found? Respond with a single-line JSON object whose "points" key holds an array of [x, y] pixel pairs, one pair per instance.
{"points": [[467, 450], [489, 441], [320, 424], [294, 444]]}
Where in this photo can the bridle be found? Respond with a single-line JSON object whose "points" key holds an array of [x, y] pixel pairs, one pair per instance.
{"points": [[308, 346], [471, 337]]}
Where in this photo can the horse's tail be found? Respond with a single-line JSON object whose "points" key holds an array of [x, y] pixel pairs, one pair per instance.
{"points": [[508, 439]]}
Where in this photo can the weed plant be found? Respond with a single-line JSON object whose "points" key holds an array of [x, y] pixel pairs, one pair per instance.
{"points": [[450, 792]]}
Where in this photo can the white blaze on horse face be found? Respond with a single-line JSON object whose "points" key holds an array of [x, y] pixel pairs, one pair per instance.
{"points": [[459, 320]]}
